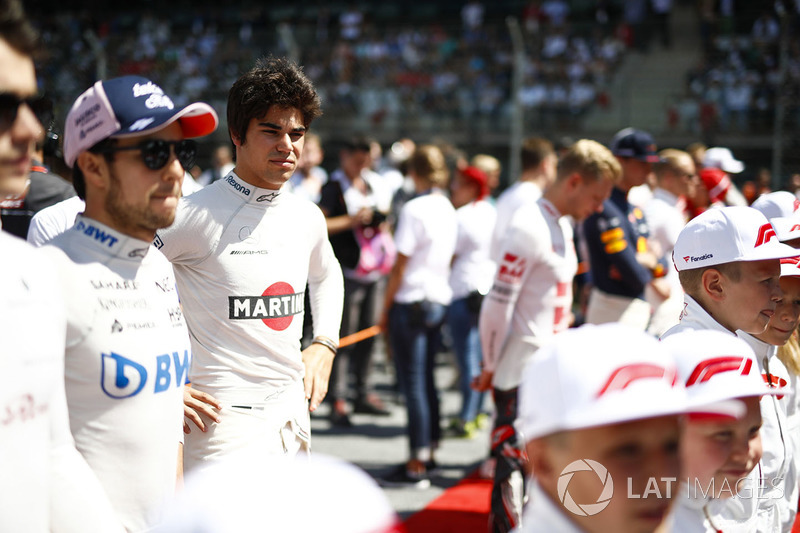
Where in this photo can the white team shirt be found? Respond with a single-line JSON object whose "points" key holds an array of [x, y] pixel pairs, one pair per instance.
{"points": [[665, 219], [473, 269], [242, 257], [778, 470], [531, 298], [519, 194], [426, 233], [45, 484], [54, 220], [127, 359], [767, 510], [57, 218]]}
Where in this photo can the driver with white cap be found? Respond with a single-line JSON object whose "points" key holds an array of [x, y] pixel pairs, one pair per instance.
{"points": [[128, 351]]}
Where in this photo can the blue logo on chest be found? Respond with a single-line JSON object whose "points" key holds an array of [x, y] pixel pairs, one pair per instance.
{"points": [[121, 377]]}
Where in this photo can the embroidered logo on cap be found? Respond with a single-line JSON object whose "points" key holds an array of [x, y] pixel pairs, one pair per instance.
{"points": [[711, 367], [765, 234]]}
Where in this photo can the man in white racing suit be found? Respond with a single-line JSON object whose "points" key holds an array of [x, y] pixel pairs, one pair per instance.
{"points": [[243, 249], [128, 351], [531, 300]]}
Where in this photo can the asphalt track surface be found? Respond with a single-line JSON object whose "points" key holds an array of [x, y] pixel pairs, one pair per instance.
{"points": [[378, 443]]}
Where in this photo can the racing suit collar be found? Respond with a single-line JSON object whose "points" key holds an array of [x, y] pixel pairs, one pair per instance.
{"points": [[252, 194], [110, 241]]}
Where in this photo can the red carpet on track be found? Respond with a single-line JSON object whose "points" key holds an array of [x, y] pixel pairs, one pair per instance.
{"points": [[463, 509]]}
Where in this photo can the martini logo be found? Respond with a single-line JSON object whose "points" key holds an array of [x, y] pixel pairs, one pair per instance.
{"points": [[765, 234], [276, 307]]}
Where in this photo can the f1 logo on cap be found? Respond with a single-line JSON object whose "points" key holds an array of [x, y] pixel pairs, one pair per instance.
{"points": [[711, 367], [627, 374], [765, 234]]}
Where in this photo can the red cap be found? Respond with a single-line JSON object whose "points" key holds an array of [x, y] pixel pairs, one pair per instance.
{"points": [[716, 182], [479, 178]]}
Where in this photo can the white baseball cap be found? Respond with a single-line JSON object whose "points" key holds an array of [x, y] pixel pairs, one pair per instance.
{"points": [[597, 375], [254, 491], [727, 234], [716, 368], [722, 158], [790, 267], [781, 208]]}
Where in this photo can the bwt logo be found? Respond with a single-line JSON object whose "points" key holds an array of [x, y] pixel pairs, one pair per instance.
{"points": [[121, 377], [692, 259], [585, 509], [98, 234]]}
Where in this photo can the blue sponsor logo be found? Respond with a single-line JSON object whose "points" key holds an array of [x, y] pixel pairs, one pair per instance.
{"points": [[121, 377], [238, 186], [98, 234]]}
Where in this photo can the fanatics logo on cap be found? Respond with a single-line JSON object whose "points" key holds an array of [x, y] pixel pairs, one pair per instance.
{"points": [[692, 259]]}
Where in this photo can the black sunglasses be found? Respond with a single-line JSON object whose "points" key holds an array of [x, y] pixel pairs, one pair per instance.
{"points": [[10, 104], [156, 152]]}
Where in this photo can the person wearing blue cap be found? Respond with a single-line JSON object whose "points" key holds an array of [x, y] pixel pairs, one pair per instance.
{"points": [[622, 262], [128, 351]]}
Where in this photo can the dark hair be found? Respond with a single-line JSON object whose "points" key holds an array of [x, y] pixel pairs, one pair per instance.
{"points": [[534, 151], [16, 30], [272, 82], [78, 182]]}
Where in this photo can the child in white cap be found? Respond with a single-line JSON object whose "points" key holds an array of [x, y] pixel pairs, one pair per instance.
{"points": [[600, 414], [728, 261], [719, 453], [779, 343]]}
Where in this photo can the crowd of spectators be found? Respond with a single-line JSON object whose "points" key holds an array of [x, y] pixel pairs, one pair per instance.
{"points": [[376, 62], [736, 85]]}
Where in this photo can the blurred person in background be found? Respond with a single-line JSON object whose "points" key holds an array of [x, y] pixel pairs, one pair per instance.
{"points": [[221, 164], [622, 261], [539, 161], [490, 166], [470, 279], [722, 158], [417, 295], [308, 179], [355, 202], [676, 179]]}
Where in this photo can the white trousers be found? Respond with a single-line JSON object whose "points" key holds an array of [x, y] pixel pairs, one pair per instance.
{"points": [[279, 426], [604, 307]]}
